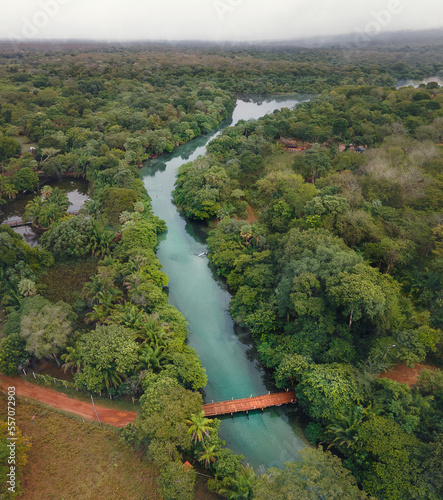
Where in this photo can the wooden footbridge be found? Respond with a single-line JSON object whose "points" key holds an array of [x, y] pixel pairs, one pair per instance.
{"points": [[251, 403], [20, 222], [16, 223]]}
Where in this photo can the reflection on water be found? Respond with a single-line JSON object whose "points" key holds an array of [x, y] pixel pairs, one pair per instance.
{"points": [[255, 108], [76, 190], [416, 83], [30, 236]]}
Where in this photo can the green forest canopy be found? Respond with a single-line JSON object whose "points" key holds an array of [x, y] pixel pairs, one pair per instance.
{"points": [[342, 259]]}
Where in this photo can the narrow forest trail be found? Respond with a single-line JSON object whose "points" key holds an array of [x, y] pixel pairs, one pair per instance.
{"points": [[116, 418]]}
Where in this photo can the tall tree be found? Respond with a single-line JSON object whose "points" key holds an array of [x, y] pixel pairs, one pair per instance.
{"points": [[317, 162], [317, 475], [109, 355], [199, 426], [47, 330]]}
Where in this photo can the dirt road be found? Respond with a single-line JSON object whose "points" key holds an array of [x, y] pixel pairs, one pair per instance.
{"points": [[405, 374], [120, 418], [117, 418]]}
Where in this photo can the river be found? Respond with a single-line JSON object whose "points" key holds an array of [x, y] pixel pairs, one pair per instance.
{"points": [[416, 83], [267, 438]]}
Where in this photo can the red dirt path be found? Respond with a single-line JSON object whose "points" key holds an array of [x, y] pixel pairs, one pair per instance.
{"points": [[404, 374], [119, 418], [116, 418], [251, 215]]}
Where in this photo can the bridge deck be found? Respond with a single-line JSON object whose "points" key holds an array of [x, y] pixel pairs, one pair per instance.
{"points": [[246, 404], [19, 222]]}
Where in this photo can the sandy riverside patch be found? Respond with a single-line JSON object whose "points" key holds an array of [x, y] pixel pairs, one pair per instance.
{"points": [[116, 418]]}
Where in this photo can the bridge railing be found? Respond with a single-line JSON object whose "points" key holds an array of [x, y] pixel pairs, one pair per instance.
{"points": [[256, 395], [20, 222]]}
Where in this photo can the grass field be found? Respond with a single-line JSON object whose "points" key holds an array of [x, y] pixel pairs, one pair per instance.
{"points": [[74, 273], [71, 459], [280, 161]]}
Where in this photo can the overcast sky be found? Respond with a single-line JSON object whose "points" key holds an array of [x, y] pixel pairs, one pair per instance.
{"points": [[218, 20]]}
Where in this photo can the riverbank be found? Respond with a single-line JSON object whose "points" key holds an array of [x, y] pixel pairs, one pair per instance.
{"points": [[233, 367]]}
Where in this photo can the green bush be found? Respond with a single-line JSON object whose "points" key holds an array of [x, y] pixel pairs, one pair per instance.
{"points": [[314, 432], [12, 354]]}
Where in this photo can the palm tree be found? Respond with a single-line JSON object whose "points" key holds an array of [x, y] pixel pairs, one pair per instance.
{"points": [[60, 198], [99, 314], [106, 243], [208, 455], [259, 235], [108, 260], [7, 188], [11, 299], [91, 290], [199, 425], [32, 210], [151, 359], [46, 191], [152, 333], [109, 297], [125, 271], [27, 287], [94, 243], [344, 432], [73, 359], [246, 234], [112, 377], [130, 316], [49, 213], [90, 207], [152, 322], [241, 486], [100, 242], [157, 337]]}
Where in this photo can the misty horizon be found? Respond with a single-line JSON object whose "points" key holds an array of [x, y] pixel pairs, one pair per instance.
{"points": [[216, 21], [305, 41]]}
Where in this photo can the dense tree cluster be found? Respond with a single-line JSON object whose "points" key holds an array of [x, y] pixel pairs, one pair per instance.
{"points": [[332, 256]]}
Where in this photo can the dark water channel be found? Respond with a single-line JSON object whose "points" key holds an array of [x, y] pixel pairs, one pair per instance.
{"points": [[269, 438], [75, 189]]}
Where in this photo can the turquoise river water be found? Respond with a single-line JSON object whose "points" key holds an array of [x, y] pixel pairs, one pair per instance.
{"points": [[267, 438]]}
